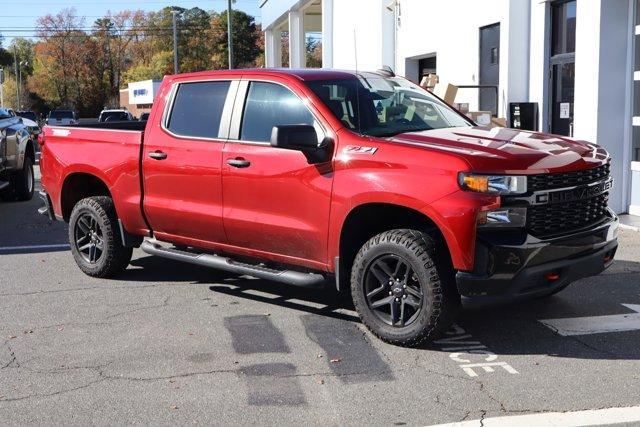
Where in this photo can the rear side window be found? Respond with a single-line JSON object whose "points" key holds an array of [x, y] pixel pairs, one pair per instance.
{"points": [[197, 109], [269, 105]]}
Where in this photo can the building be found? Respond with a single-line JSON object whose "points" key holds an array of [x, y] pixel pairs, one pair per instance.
{"points": [[578, 60], [138, 97]]}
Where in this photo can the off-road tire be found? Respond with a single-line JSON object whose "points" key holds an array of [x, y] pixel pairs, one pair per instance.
{"points": [[440, 302], [114, 257], [23, 182]]}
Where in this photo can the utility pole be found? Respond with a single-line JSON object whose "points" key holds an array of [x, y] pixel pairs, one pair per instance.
{"points": [[175, 42], [1, 87], [15, 63], [20, 65], [229, 34]]}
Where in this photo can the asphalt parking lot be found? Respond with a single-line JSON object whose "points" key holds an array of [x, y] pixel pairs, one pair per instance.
{"points": [[170, 343]]}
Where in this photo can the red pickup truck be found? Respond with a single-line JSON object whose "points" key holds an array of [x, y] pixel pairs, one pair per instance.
{"points": [[301, 175]]}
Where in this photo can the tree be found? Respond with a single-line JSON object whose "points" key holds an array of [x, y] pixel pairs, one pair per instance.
{"points": [[245, 40]]}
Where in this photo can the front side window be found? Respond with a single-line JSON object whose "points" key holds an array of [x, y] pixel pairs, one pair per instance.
{"points": [[383, 106], [197, 109], [269, 105]]}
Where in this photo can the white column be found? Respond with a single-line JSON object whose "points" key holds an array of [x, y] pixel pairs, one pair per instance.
{"points": [[538, 62], [273, 48], [297, 48], [603, 85], [327, 33]]}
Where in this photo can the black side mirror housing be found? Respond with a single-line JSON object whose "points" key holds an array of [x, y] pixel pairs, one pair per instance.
{"points": [[302, 138]]}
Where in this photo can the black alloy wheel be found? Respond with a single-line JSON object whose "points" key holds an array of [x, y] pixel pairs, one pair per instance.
{"points": [[393, 291], [89, 240]]}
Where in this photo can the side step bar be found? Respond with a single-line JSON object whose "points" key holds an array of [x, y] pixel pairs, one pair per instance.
{"points": [[295, 278]]}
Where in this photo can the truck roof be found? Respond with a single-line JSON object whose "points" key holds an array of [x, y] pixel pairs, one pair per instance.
{"points": [[304, 74]]}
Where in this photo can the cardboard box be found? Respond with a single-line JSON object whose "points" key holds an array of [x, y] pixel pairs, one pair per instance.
{"points": [[482, 118], [447, 92], [429, 81], [463, 107], [499, 122]]}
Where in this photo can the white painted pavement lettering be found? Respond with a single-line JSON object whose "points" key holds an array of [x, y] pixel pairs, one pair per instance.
{"points": [[596, 417], [465, 351], [597, 324]]}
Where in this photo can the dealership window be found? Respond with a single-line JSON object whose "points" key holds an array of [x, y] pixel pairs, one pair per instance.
{"points": [[197, 109], [636, 92], [563, 70]]}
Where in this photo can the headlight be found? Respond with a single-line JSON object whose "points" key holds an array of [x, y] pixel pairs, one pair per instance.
{"points": [[493, 184]]}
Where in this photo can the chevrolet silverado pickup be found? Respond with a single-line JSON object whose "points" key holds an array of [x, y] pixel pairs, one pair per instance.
{"points": [[17, 157], [300, 176]]}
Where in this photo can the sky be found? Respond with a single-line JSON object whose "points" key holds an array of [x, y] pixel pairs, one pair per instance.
{"points": [[18, 17]]}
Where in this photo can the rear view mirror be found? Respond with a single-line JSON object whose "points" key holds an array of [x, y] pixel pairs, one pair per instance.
{"points": [[302, 138]]}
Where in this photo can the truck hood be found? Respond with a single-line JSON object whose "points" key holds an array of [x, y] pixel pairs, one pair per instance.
{"points": [[502, 150]]}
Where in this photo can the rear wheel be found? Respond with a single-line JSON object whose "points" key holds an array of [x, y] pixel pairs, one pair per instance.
{"points": [[94, 239], [398, 290]]}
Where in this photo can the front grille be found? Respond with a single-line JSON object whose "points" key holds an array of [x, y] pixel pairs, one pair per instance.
{"points": [[562, 218], [567, 179]]}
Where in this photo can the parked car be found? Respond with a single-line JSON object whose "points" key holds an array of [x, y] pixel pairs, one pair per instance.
{"points": [[120, 115], [17, 157], [364, 177], [144, 117], [28, 115], [61, 117]]}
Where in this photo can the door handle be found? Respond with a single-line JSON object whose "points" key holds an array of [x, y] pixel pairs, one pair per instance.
{"points": [[158, 155], [239, 162]]}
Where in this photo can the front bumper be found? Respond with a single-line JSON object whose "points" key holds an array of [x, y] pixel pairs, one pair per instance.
{"points": [[513, 266]]}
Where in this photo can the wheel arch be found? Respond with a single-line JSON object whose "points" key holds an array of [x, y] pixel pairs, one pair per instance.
{"points": [[77, 186], [369, 219]]}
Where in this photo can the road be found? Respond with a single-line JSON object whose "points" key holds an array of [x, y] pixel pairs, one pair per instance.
{"points": [[169, 343]]}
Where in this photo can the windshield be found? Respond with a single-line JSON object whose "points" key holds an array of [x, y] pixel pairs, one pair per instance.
{"points": [[383, 106], [114, 116], [61, 114], [27, 115]]}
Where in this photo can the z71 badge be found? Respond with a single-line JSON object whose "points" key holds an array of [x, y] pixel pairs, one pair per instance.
{"points": [[355, 149]]}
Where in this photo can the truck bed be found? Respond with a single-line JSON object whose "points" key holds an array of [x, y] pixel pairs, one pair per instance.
{"points": [[106, 151]]}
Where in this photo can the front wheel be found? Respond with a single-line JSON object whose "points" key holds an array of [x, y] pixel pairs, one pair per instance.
{"points": [[398, 290], [94, 239]]}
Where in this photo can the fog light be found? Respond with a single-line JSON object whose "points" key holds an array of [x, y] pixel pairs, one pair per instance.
{"points": [[503, 217]]}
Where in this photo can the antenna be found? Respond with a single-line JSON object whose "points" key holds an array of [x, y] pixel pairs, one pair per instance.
{"points": [[355, 49]]}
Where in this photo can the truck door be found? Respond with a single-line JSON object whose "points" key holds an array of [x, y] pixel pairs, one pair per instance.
{"points": [[181, 162], [274, 200]]}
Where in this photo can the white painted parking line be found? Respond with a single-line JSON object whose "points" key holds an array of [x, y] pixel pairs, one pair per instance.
{"points": [[597, 324], [34, 248], [598, 417]]}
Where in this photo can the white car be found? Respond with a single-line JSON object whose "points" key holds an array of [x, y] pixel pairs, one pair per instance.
{"points": [[117, 115]]}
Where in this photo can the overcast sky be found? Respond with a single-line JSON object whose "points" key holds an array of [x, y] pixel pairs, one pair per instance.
{"points": [[18, 17]]}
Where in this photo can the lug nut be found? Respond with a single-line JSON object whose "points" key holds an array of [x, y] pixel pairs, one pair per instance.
{"points": [[397, 299], [390, 293], [404, 297]]}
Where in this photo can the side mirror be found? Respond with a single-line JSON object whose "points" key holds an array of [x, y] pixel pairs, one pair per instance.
{"points": [[302, 138]]}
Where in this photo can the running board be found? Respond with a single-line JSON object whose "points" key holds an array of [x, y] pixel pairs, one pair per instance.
{"points": [[295, 278]]}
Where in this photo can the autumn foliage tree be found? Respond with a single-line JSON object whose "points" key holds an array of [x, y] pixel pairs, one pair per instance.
{"points": [[83, 66]]}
